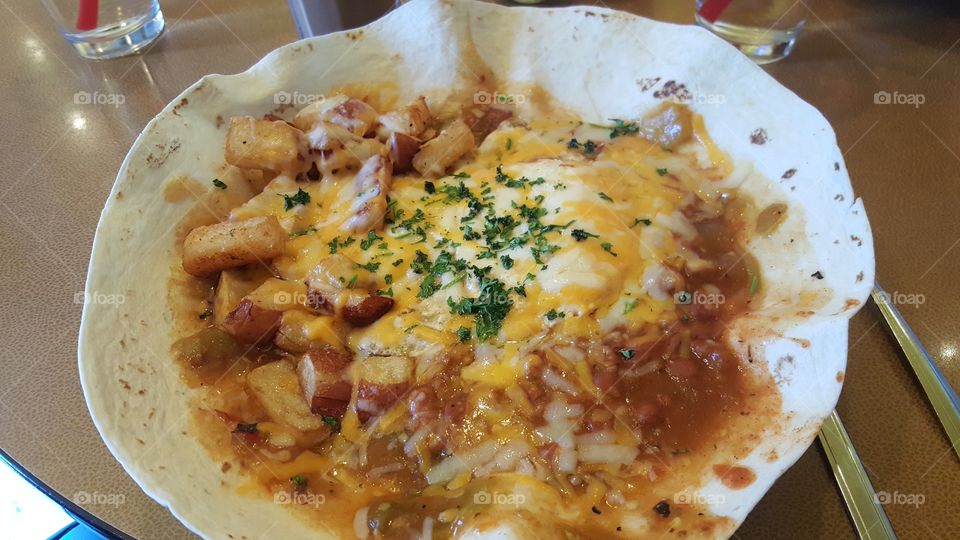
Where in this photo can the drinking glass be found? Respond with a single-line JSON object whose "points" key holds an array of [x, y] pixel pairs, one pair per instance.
{"points": [[101, 29], [764, 30]]}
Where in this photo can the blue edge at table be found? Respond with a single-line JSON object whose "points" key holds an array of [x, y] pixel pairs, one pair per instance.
{"points": [[87, 525]]}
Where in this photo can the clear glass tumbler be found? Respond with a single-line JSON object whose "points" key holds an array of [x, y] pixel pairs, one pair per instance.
{"points": [[101, 29], [764, 30]]}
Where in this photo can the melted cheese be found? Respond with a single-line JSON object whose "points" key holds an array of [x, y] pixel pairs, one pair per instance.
{"points": [[627, 208]]}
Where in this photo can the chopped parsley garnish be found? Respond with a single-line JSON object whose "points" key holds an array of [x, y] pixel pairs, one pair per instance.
{"points": [[588, 147], [506, 261], [429, 187], [489, 309], [537, 181], [388, 292], [509, 181], [553, 315], [301, 197], [608, 247], [463, 334], [336, 244], [420, 264], [605, 197], [352, 281], [754, 284], [370, 240], [580, 235], [627, 353], [246, 428], [621, 127], [205, 314], [301, 232], [662, 172], [299, 482], [428, 286], [509, 144], [638, 221], [461, 174], [219, 183], [370, 266], [630, 306], [397, 262], [444, 263], [412, 226], [332, 421]]}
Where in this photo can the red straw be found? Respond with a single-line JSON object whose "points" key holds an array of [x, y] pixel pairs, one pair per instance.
{"points": [[711, 10], [87, 15]]}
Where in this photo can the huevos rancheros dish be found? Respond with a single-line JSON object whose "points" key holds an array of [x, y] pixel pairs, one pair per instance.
{"points": [[409, 310], [499, 273]]}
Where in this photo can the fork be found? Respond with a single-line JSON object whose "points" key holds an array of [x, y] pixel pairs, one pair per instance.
{"points": [[863, 505], [941, 395]]}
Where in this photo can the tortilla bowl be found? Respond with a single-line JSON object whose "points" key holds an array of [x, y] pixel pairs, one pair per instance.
{"points": [[817, 266]]}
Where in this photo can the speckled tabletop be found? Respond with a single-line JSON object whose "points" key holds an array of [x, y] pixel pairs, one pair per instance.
{"points": [[61, 156]]}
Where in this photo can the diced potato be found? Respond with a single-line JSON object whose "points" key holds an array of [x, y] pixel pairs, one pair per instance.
{"points": [[350, 113], [301, 331], [252, 324], [258, 179], [402, 149], [383, 381], [322, 373], [215, 204], [280, 295], [371, 186], [277, 387], [263, 144], [233, 286], [411, 120], [230, 244], [487, 121], [450, 145], [366, 311]]}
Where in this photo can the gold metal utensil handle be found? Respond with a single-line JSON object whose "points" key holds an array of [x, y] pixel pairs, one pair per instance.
{"points": [[867, 515], [941, 395]]}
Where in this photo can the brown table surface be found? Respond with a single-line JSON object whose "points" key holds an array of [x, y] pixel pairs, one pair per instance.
{"points": [[61, 158]]}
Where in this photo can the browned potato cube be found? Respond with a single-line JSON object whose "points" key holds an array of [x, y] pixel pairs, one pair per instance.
{"points": [[233, 285], [450, 145], [321, 373], [411, 120], [262, 144], [230, 244], [402, 149], [383, 381], [252, 324], [277, 387]]}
